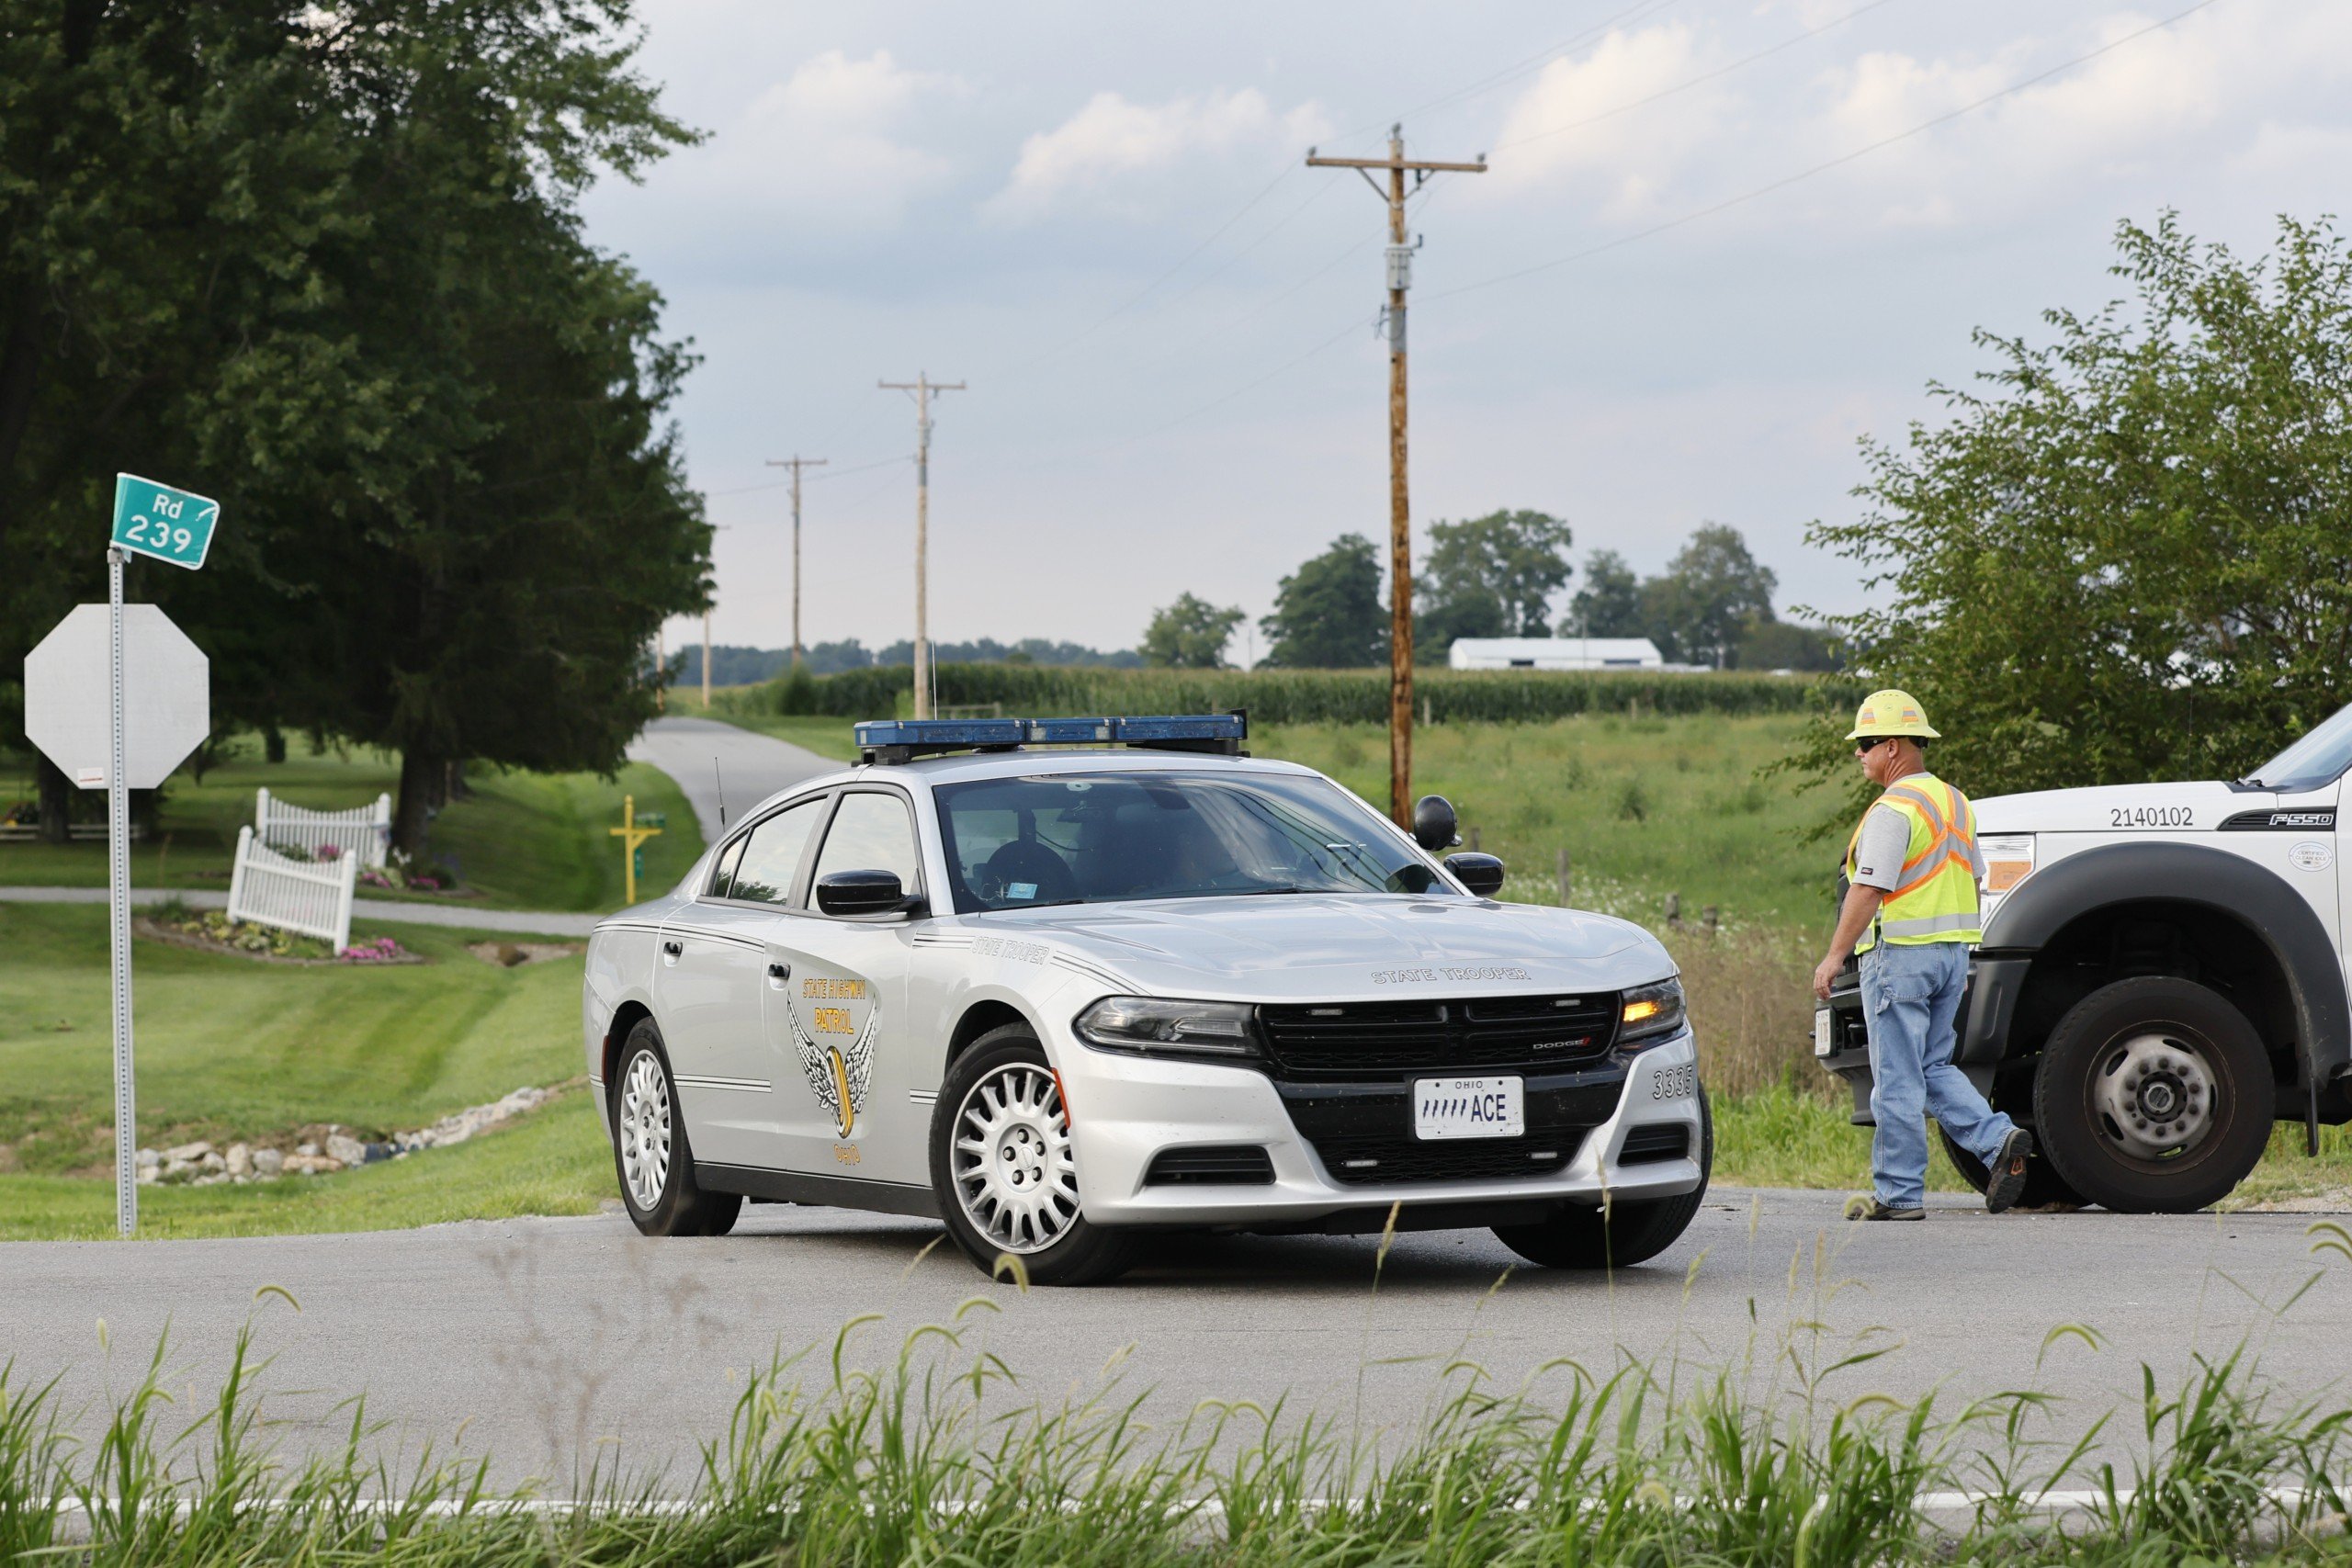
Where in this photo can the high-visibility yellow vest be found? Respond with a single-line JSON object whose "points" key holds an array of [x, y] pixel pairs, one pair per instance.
{"points": [[1935, 894]]}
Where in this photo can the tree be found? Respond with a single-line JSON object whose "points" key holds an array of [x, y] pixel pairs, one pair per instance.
{"points": [[1327, 614], [1491, 576], [1710, 592], [324, 263], [2124, 557], [1190, 634], [1785, 645], [1610, 603]]}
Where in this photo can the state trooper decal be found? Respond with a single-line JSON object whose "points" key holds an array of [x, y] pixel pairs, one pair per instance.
{"points": [[833, 1019]]}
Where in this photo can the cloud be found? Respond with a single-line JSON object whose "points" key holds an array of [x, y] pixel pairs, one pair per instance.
{"points": [[1561, 129], [1119, 157], [836, 136]]}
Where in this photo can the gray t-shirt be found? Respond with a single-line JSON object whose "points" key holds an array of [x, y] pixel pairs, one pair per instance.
{"points": [[1886, 844]]}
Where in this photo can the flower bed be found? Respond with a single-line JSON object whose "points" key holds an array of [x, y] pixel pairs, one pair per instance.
{"points": [[213, 931]]}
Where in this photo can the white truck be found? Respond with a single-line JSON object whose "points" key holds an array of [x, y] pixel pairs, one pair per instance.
{"points": [[2162, 978]]}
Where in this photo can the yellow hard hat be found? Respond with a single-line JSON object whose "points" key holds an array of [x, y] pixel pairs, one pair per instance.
{"points": [[1892, 713]]}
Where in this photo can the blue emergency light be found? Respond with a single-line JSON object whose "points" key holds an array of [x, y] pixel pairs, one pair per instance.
{"points": [[895, 740]]}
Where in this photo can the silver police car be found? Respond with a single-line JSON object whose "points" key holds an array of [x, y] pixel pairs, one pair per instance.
{"points": [[1066, 984]]}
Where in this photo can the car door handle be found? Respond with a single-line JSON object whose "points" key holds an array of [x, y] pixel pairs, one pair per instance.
{"points": [[673, 948], [778, 974]]}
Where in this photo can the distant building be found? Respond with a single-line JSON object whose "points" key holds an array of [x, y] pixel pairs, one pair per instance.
{"points": [[1554, 653]]}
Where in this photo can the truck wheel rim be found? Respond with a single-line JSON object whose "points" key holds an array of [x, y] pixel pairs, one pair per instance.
{"points": [[1013, 1173], [645, 1130], [2156, 1096]]}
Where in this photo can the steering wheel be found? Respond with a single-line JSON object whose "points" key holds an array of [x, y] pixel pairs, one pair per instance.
{"points": [[1024, 860]]}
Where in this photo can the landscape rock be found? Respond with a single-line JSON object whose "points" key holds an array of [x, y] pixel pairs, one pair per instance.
{"points": [[239, 1161], [211, 1178], [149, 1160], [212, 1160], [300, 1164], [150, 1174], [188, 1153], [306, 1150], [268, 1162], [178, 1169], [344, 1149]]}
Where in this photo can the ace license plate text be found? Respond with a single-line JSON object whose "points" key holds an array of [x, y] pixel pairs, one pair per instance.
{"points": [[1468, 1108]]}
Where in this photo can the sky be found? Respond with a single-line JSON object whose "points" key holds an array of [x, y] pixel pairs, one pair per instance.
{"points": [[1718, 243]]}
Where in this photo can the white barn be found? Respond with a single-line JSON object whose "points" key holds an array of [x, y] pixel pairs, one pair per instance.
{"points": [[1554, 653]]}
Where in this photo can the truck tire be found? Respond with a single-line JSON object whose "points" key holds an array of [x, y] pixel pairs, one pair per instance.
{"points": [[2154, 1096], [2044, 1188], [1576, 1237]]}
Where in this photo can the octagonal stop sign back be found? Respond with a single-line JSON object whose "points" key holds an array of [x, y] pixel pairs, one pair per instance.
{"points": [[167, 696]]}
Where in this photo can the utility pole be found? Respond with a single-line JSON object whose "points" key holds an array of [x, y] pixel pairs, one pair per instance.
{"points": [[922, 386], [1400, 516], [796, 465], [705, 660]]}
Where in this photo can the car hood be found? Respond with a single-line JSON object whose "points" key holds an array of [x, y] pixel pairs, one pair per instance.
{"points": [[1341, 947]]}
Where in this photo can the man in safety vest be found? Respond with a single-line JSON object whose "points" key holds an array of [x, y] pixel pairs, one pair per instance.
{"points": [[1911, 912]]}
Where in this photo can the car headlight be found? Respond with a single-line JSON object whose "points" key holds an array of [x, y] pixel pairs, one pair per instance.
{"points": [[2008, 860], [1647, 1015], [1153, 1026]]}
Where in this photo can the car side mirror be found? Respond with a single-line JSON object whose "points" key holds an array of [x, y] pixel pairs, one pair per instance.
{"points": [[863, 893], [1434, 828], [1483, 874]]}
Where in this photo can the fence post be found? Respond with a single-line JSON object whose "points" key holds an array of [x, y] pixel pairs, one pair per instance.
{"points": [[1707, 918], [261, 813], [1474, 840], [1563, 878], [383, 825], [349, 867], [237, 867], [1674, 910]]}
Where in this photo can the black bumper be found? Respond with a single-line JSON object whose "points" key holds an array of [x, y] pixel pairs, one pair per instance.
{"points": [[1986, 1009]]}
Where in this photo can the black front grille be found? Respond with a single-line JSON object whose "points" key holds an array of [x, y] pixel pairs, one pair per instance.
{"points": [[1213, 1165], [1648, 1145], [1366, 1161], [1380, 1039]]}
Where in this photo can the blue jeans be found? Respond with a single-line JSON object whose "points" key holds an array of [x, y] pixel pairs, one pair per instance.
{"points": [[1909, 995]]}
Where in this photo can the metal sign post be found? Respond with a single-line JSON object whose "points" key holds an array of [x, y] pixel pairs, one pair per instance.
{"points": [[126, 1119], [145, 733]]}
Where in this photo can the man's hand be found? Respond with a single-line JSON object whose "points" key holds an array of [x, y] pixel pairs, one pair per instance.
{"points": [[1827, 975]]}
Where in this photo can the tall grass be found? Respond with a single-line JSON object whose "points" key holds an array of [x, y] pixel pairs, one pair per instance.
{"points": [[939, 1456], [1298, 696]]}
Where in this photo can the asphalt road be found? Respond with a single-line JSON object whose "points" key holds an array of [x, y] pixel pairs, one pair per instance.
{"points": [[543, 1337], [710, 760]]}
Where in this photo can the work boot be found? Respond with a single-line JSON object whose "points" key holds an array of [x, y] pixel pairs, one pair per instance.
{"points": [[2007, 1174], [1859, 1208]]}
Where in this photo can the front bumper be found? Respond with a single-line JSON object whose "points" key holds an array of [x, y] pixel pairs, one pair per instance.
{"points": [[1125, 1112], [1982, 1026]]}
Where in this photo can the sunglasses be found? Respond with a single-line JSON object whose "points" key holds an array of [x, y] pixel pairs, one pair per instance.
{"points": [[1863, 747]]}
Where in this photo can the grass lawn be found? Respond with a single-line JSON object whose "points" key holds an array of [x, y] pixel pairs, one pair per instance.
{"points": [[524, 841], [231, 1048]]}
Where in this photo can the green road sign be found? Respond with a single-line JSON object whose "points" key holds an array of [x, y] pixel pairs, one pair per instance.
{"points": [[156, 519]]}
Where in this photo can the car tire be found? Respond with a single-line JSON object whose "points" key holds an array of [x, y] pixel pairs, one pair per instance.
{"points": [[2044, 1188], [2154, 1096], [1002, 1170], [1577, 1237], [650, 1154]]}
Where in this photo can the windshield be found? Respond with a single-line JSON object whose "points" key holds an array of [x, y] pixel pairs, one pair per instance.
{"points": [[1100, 838], [2317, 759]]}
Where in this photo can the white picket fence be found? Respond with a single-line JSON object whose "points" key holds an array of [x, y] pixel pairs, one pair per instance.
{"points": [[309, 897], [365, 832]]}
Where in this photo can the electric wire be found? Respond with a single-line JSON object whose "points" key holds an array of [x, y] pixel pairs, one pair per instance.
{"points": [[1785, 181], [811, 478]]}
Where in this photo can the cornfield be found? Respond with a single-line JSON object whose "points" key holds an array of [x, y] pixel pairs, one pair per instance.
{"points": [[1298, 696]]}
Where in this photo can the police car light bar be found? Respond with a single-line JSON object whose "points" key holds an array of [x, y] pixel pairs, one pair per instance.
{"points": [[900, 740]]}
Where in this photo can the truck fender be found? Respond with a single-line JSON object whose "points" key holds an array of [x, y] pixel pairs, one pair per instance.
{"points": [[2067, 889]]}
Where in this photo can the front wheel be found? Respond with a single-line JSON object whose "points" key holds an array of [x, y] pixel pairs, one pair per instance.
{"points": [[1004, 1171], [655, 1163], [2154, 1096], [1577, 1237]]}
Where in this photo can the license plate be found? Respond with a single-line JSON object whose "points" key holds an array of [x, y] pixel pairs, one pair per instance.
{"points": [[1821, 1031], [1468, 1108]]}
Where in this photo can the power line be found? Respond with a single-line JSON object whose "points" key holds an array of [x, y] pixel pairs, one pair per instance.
{"points": [[813, 479], [1839, 162], [1716, 74]]}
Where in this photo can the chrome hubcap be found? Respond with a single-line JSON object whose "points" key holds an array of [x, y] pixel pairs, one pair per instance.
{"points": [[1011, 1159], [645, 1130], [2154, 1096]]}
